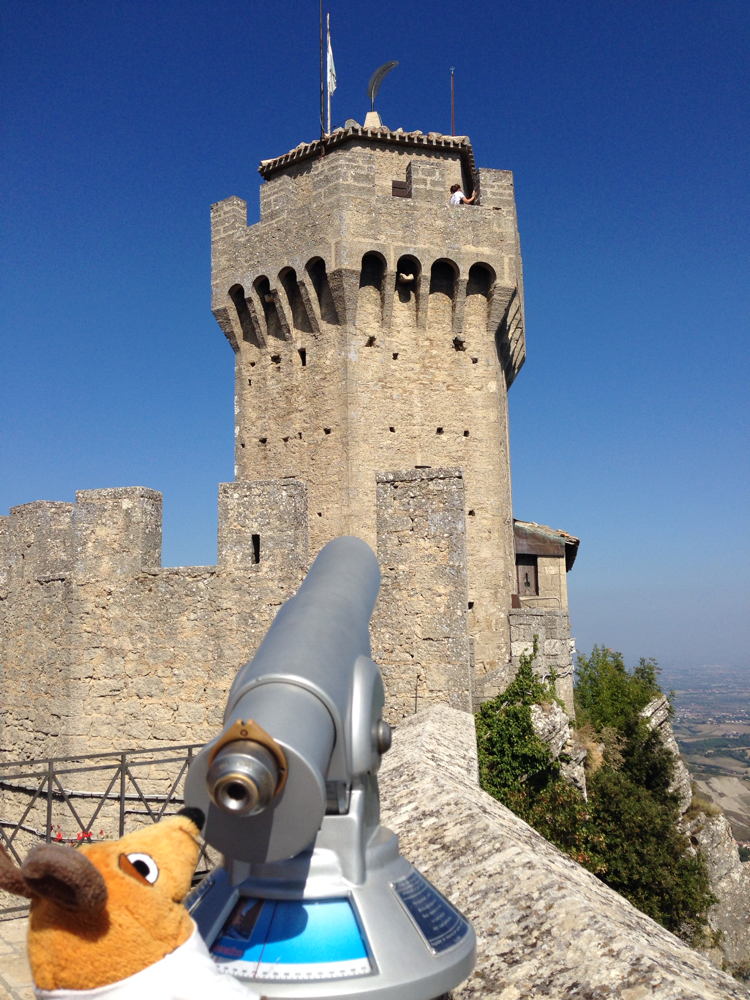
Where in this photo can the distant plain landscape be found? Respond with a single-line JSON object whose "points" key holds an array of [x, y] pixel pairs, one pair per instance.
{"points": [[712, 726]]}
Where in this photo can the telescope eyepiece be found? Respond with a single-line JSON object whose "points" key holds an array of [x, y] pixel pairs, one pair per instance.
{"points": [[243, 778]]}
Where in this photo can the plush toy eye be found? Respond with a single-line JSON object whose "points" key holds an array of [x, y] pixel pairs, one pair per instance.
{"points": [[145, 865]]}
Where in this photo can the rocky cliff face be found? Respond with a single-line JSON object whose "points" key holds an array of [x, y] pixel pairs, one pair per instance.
{"points": [[710, 834], [552, 725], [546, 927], [656, 714]]}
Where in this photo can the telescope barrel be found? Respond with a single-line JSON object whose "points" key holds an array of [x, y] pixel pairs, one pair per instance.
{"points": [[319, 633], [310, 703]]}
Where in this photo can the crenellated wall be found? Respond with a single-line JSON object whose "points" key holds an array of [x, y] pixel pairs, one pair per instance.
{"points": [[101, 647]]}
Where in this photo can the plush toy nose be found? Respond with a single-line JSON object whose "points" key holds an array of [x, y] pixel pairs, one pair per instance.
{"points": [[196, 816]]}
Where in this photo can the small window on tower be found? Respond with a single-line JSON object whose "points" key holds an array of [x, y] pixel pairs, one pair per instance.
{"points": [[526, 566], [399, 189]]}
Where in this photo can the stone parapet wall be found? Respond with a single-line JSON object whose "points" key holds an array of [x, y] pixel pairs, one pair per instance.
{"points": [[546, 928]]}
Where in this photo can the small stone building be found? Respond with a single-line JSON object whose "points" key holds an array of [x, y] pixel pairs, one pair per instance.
{"points": [[376, 332]]}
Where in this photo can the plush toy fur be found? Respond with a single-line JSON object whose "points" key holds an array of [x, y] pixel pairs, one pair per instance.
{"points": [[101, 913]]}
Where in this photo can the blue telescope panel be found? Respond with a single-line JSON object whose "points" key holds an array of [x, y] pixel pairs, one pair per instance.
{"points": [[288, 939]]}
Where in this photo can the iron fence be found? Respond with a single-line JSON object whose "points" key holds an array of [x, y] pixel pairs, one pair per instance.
{"points": [[133, 788]]}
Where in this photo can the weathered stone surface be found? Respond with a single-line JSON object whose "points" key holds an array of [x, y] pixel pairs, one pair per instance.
{"points": [[546, 927], [728, 878], [551, 725], [419, 629], [101, 648], [730, 882], [551, 626]]}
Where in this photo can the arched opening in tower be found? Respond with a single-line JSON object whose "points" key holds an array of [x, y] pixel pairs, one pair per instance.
{"points": [[267, 304], [406, 303], [316, 269], [478, 293], [300, 319], [442, 296], [370, 297], [245, 317]]}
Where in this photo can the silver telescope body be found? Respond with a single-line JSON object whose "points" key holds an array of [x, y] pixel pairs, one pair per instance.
{"points": [[313, 899], [315, 701]]}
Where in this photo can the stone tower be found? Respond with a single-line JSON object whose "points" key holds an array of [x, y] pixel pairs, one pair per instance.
{"points": [[377, 330]]}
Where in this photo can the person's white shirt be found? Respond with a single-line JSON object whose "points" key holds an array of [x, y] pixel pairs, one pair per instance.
{"points": [[457, 197], [187, 973]]}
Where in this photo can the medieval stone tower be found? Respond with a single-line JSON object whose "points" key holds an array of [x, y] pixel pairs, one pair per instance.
{"points": [[376, 332]]}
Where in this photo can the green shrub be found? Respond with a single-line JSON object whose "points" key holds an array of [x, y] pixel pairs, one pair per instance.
{"points": [[646, 855], [627, 833], [511, 756], [516, 767]]}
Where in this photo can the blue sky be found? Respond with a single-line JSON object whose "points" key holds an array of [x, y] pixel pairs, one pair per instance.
{"points": [[626, 125]]}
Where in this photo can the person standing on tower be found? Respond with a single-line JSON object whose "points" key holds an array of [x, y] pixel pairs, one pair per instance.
{"points": [[458, 197]]}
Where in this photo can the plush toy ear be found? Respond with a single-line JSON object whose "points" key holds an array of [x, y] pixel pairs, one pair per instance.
{"points": [[11, 876], [64, 876]]}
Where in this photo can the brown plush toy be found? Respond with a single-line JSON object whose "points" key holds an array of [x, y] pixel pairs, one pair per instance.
{"points": [[107, 919]]}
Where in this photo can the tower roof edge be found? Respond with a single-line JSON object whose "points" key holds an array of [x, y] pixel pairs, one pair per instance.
{"points": [[382, 135]]}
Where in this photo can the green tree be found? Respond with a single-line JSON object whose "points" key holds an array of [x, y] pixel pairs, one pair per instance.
{"points": [[607, 694], [647, 859]]}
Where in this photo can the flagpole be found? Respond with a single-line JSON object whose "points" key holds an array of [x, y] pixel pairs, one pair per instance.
{"points": [[328, 77], [322, 119]]}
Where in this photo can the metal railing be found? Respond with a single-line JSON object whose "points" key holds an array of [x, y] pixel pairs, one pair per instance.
{"points": [[119, 791]]}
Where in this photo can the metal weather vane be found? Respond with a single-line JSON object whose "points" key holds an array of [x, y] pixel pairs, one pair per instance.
{"points": [[377, 78]]}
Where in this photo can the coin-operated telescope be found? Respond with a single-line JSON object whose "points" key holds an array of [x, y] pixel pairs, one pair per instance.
{"points": [[314, 899]]}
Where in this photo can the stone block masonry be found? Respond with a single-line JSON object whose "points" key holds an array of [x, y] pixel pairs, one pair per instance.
{"points": [[101, 648], [419, 630]]}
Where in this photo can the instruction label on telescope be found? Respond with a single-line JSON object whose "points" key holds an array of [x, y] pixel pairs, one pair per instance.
{"points": [[439, 923]]}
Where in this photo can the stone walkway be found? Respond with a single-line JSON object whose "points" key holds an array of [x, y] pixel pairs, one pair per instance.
{"points": [[15, 975]]}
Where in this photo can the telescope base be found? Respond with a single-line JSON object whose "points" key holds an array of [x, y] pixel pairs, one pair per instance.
{"points": [[392, 938]]}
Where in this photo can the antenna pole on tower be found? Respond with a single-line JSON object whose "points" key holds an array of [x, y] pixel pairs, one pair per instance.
{"points": [[322, 96], [453, 105]]}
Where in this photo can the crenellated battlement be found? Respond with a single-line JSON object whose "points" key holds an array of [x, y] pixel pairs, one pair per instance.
{"points": [[101, 645]]}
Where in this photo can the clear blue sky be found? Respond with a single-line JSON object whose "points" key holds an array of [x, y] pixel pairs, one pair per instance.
{"points": [[626, 125]]}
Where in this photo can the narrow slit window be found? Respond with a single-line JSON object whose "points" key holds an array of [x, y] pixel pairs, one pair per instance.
{"points": [[256, 549], [303, 356]]}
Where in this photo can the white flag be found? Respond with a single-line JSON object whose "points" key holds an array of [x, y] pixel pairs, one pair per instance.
{"points": [[331, 68]]}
